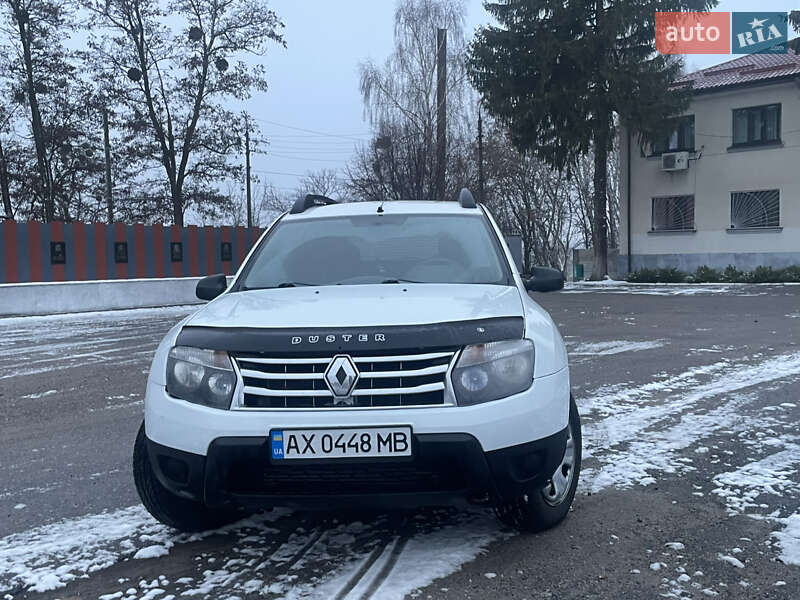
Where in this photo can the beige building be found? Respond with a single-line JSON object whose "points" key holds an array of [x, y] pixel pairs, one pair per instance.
{"points": [[724, 188]]}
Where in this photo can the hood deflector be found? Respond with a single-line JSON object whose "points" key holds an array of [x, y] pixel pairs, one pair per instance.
{"points": [[328, 341]]}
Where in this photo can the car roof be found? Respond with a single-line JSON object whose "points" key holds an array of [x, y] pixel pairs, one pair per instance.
{"points": [[394, 207]]}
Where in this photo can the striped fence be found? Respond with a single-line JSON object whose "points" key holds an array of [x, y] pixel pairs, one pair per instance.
{"points": [[82, 251]]}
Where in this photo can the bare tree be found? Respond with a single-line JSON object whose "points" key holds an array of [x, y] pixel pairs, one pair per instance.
{"points": [[36, 29], [400, 102], [324, 182], [173, 83], [528, 198], [582, 196], [269, 203]]}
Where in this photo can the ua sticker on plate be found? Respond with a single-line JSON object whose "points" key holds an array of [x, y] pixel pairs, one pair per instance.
{"points": [[277, 444]]}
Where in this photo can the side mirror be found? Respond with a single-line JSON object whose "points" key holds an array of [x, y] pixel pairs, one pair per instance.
{"points": [[212, 286], [544, 279]]}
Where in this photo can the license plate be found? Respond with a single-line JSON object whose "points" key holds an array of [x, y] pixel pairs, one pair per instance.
{"points": [[362, 442]]}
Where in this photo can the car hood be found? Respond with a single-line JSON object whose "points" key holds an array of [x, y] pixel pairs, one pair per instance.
{"points": [[359, 305]]}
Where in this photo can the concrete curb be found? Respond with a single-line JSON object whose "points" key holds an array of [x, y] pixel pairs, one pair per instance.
{"points": [[26, 299]]}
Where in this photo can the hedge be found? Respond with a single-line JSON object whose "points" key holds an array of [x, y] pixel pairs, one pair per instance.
{"points": [[729, 274]]}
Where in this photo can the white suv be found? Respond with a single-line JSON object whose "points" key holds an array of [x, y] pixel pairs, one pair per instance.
{"points": [[379, 354]]}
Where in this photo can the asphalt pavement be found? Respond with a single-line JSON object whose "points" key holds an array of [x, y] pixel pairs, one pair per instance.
{"points": [[690, 400]]}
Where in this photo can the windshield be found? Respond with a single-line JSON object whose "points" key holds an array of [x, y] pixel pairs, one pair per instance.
{"points": [[377, 249]]}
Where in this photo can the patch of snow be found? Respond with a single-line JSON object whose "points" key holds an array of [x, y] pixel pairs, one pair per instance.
{"points": [[94, 316], [153, 551], [635, 433], [789, 540], [663, 289], [424, 557], [50, 556], [39, 395], [731, 560], [675, 546], [614, 347], [773, 474]]}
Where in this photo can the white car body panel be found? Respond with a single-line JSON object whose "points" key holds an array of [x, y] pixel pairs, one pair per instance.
{"points": [[359, 305]]}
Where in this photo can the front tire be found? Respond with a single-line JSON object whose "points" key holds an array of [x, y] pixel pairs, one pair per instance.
{"points": [[545, 507], [180, 513]]}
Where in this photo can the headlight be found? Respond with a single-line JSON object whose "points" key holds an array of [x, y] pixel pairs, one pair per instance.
{"points": [[200, 376], [492, 371]]}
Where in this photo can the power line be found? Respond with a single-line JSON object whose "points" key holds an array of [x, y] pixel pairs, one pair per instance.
{"points": [[288, 157], [322, 133]]}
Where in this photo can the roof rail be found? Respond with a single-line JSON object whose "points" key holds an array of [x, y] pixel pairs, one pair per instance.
{"points": [[466, 200], [303, 204]]}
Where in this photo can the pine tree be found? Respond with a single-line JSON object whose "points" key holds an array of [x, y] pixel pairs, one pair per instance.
{"points": [[559, 73]]}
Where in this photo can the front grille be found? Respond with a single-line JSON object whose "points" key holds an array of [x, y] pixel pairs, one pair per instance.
{"points": [[388, 379], [337, 479]]}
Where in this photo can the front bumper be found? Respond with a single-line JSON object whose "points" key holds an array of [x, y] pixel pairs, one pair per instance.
{"points": [[538, 412], [444, 467]]}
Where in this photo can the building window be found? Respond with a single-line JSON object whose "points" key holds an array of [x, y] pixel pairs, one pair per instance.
{"points": [[176, 251], [679, 139], [753, 210], [757, 125], [120, 252], [673, 213]]}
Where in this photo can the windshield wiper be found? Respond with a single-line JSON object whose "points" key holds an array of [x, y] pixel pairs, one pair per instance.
{"points": [[401, 281], [286, 284]]}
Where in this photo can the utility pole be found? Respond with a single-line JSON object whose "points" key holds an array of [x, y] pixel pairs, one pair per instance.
{"points": [[441, 110], [247, 169], [7, 208], [480, 155], [107, 144]]}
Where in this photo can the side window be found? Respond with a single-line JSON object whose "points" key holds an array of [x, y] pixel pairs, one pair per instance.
{"points": [[754, 210], [673, 213], [757, 125]]}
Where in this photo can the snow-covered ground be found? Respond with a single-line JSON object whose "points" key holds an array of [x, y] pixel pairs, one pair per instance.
{"points": [[705, 425], [611, 286]]}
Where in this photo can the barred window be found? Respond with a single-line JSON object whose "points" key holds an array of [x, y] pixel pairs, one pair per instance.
{"points": [[753, 210], [673, 213]]}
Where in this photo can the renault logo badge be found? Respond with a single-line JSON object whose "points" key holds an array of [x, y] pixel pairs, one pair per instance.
{"points": [[341, 375]]}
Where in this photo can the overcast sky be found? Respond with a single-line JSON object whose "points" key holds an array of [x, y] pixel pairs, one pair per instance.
{"points": [[314, 81]]}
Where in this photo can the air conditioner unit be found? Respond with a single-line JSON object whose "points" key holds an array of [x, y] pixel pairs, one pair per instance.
{"points": [[674, 161]]}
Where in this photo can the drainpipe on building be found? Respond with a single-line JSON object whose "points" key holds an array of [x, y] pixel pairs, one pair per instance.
{"points": [[628, 198]]}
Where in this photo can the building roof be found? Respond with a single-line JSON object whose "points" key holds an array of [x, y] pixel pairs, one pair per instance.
{"points": [[747, 69]]}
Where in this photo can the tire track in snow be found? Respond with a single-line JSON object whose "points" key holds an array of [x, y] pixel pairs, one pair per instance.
{"points": [[387, 568], [633, 432], [362, 570], [296, 561]]}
